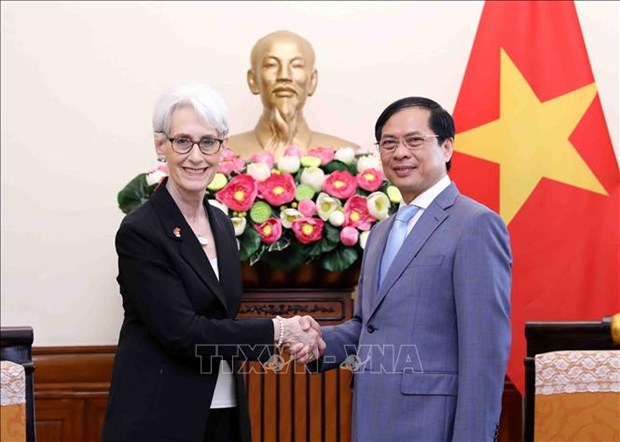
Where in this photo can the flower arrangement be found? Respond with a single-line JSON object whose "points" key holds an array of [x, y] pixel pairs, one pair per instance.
{"points": [[285, 213]]}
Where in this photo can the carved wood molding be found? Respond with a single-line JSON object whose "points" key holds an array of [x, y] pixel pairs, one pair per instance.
{"points": [[284, 309]]}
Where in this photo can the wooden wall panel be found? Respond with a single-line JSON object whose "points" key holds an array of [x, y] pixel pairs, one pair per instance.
{"points": [[71, 389], [94, 415], [59, 420]]}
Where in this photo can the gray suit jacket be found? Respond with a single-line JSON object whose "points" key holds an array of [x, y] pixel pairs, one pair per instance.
{"points": [[430, 345]]}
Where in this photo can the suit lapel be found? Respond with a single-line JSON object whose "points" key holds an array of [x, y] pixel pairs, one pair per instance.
{"points": [[189, 247], [432, 218], [227, 258], [373, 261]]}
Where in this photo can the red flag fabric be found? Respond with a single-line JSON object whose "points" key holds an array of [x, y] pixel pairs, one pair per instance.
{"points": [[532, 143]]}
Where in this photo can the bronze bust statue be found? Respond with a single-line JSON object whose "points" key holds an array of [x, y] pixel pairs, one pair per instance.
{"points": [[282, 72]]}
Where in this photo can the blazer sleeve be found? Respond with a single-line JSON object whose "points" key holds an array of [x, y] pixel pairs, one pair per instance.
{"points": [[482, 279], [154, 292], [342, 340]]}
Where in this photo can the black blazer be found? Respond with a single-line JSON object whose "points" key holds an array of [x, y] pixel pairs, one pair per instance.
{"points": [[176, 313]]}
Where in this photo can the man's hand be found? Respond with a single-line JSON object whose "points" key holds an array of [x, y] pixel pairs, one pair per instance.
{"points": [[302, 338]]}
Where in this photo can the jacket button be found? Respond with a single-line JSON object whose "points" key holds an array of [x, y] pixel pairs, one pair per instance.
{"points": [[371, 328]]}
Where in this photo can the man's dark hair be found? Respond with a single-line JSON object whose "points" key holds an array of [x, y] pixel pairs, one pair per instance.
{"points": [[440, 121]]}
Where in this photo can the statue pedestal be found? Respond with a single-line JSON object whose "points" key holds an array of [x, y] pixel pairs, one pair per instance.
{"points": [[308, 290]]}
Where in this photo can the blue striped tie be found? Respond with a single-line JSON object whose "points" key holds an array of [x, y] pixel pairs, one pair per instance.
{"points": [[397, 237]]}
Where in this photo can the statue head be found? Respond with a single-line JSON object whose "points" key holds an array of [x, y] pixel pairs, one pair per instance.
{"points": [[282, 72]]}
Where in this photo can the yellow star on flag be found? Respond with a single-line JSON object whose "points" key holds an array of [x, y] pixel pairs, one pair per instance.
{"points": [[530, 140]]}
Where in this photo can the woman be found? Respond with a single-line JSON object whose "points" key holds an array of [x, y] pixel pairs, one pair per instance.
{"points": [[180, 279]]}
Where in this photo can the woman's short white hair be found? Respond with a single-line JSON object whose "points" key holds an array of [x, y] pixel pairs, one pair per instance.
{"points": [[207, 103]]}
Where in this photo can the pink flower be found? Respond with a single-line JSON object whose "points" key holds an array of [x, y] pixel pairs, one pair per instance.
{"points": [[340, 184], [239, 194], [270, 231], [292, 151], [263, 157], [356, 213], [278, 189], [157, 175], [230, 163], [349, 236], [370, 179], [307, 208], [326, 154], [307, 230]]}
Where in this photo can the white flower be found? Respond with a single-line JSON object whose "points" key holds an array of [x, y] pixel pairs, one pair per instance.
{"points": [[239, 223], [336, 218], [289, 164], [368, 162], [326, 204], [378, 205], [287, 216], [223, 207], [218, 182], [345, 154], [155, 177], [363, 239], [310, 161], [313, 176], [259, 171], [394, 194]]}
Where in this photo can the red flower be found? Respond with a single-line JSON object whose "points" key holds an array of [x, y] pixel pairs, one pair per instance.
{"points": [[270, 231], [370, 179], [278, 189], [326, 154], [239, 194], [340, 184], [356, 213], [307, 230], [230, 163]]}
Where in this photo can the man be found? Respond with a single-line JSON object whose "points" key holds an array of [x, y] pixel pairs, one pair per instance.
{"points": [[430, 336], [283, 73]]}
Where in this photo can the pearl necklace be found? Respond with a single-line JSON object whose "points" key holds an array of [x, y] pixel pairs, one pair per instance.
{"points": [[202, 240]]}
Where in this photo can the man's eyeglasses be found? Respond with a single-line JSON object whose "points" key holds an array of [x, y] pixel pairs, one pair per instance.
{"points": [[207, 145], [411, 142]]}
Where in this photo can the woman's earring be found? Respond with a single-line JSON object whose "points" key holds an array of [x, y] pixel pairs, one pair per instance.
{"points": [[161, 159]]}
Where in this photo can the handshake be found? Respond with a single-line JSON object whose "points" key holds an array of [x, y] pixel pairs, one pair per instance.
{"points": [[300, 336]]}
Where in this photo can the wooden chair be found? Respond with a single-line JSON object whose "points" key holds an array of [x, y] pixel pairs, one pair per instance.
{"points": [[16, 347], [582, 337]]}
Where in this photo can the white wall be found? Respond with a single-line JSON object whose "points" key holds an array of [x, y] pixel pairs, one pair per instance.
{"points": [[79, 80]]}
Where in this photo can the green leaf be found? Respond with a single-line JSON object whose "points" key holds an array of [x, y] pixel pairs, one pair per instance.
{"points": [[335, 165], [135, 193], [279, 245], [257, 256], [249, 243], [287, 259], [315, 249], [352, 168], [340, 259], [331, 235]]}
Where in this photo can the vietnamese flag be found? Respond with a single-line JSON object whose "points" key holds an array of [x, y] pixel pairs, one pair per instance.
{"points": [[533, 145]]}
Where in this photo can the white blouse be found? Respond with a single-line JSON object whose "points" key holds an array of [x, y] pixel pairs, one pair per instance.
{"points": [[224, 395]]}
